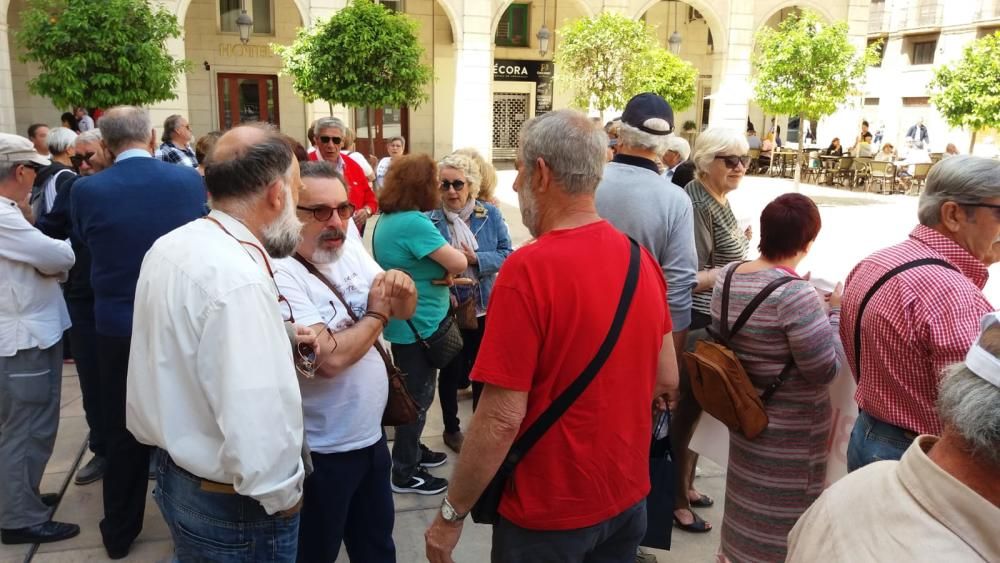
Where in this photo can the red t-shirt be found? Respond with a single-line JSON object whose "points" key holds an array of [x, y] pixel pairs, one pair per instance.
{"points": [[549, 312]]}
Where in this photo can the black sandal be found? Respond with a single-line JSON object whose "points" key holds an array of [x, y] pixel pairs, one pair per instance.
{"points": [[703, 501], [698, 526]]}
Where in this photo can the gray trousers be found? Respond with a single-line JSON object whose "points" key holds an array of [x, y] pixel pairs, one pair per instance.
{"points": [[30, 385]]}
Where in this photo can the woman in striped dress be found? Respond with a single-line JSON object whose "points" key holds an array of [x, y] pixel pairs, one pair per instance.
{"points": [[772, 479], [720, 158]]}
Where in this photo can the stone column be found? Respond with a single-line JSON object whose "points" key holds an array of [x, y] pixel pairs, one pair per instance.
{"points": [[730, 103], [7, 120], [473, 108]]}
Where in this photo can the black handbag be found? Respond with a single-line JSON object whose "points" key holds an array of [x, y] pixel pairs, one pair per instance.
{"points": [[660, 501], [486, 509], [442, 346]]}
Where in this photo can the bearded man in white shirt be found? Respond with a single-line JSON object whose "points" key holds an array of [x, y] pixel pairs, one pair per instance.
{"points": [[33, 317], [211, 379], [337, 289]]}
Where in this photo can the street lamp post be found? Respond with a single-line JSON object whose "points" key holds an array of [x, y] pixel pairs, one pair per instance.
{"points": [[675, 38], [245, 24], [543, 34]]}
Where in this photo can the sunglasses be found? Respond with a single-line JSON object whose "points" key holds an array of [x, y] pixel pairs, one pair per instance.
{"points": [[732, 161], [323, 139], [456, 184], [79, 159], [305, 355], [33, 165], [324, 212]]}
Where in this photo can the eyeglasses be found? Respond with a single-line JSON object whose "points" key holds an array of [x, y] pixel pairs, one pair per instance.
{"points": [[305, 355], [78, 159], [33, 166], [323, 139], [324, 212], [732, 161], [456, 184], [994, 207]]}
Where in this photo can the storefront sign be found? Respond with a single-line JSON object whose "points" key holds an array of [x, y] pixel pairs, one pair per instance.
{"points": [[240, 50], [539, 72]]}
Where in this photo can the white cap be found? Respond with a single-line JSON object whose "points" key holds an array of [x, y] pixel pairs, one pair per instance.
{"points": [[15, 148], [981, 362]]}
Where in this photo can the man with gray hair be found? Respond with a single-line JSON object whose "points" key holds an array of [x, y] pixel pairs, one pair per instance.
{"points": [[941, 501], [176, 146], [679, 168], [912, 309], [118, 214], [91, 158], [580, 490], [32, 320], [211, 380], [61, 143], [331, 135]]}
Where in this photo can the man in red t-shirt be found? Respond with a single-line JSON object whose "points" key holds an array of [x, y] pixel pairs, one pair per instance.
{"points": [[329, 133], [579, 493]]}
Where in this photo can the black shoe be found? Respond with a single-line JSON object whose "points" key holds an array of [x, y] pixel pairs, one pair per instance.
{"points": [[421, 483], [92, 472], [41, 533], [429, 458], [49, 499]]}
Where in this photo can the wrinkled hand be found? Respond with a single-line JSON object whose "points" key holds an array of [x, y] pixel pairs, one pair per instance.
{"points": [[361, 217], [399, 289], [440, 540], [835, 298], [470, 254], [667, 401], [304, 336], [378, 302]]}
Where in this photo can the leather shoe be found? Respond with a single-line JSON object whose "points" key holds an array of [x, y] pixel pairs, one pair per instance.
{"points": [[40, 533], [49, 499], [454, 440], [92, 472]]}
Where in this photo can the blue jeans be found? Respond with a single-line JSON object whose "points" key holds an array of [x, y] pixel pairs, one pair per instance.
{"points": [[347, 498], [874, 440], [219, 527]]}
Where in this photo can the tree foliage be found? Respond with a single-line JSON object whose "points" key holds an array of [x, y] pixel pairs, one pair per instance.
{"points": [[967, 93], [100, 54], [807, 67], [607, 59], [363, 56]]}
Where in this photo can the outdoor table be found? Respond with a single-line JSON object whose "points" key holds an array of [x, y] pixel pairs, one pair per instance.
{"points": [[829, 163]]}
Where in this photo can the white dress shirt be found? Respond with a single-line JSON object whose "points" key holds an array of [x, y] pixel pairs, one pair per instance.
{"points": [[210, 377], [343, 413], [32, 310]]}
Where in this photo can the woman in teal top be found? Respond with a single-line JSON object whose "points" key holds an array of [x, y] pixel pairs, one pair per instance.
{"points": [[407, 240]]}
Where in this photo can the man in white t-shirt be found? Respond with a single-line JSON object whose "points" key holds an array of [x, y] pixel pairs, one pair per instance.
{"points": [[347, 497]]}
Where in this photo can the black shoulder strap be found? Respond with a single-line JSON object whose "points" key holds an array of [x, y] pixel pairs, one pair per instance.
{"points": [[565, 399], [875, 287], [725, 333]]}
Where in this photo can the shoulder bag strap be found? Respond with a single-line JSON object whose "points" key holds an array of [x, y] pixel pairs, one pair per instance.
{"points": [[565, 399], [409, 323], [312, 270], [871, 293]]}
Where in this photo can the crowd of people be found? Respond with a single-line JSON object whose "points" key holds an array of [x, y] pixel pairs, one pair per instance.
{"points": [[237, 342]]}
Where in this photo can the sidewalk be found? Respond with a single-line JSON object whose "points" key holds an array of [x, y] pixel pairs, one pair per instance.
{"points": [[83, 505]]}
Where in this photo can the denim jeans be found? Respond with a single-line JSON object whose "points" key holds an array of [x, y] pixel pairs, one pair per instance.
{"points": [[614, 540], [420, 382], [220, 527], [873, 440]]}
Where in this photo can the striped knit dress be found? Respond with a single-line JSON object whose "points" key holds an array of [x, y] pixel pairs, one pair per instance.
{"points": [[772, 479]]}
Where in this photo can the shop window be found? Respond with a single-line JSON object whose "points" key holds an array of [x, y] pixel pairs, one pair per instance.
{"points": [[512, 31], [922, 52], [259, 10]]}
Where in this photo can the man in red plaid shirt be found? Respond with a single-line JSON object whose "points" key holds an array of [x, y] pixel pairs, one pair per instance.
{"points": [[925, 316]]}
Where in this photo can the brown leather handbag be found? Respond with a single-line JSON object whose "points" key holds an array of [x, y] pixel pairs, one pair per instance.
{"points": [[400, 408]]}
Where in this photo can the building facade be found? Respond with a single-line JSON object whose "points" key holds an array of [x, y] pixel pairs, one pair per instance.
{"points": [[489, 72], [917, 36]]}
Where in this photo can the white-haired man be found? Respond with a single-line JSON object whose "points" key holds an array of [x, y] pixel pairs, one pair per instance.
{"points": [[32, 320], [913, 309], [941, 501], [678, 167], [211, 380], [580, 491]]}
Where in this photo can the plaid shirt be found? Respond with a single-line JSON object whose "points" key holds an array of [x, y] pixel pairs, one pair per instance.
{"points": [[921, 321], [169, 152]]}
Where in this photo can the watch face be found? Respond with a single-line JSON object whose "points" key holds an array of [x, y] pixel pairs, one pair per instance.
{"points": [[448, 513]]}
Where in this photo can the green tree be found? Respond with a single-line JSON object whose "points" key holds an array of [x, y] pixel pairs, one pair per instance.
{"points": [[100, 54], [806, 67], [365, 56], [967, 93], [607, 59]]}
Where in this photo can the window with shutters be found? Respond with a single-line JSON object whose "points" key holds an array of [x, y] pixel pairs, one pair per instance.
{"points": [[513, 29]]}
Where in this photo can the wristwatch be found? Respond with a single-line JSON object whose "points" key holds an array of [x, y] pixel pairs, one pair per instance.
{"points": [[449, 514]]}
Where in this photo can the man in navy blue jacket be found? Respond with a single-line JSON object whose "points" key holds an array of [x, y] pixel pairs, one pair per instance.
{"points": [[118, 214]]}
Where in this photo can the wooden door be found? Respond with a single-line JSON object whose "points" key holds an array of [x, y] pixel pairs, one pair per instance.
{"points": [[386, 123], [245, 98]]}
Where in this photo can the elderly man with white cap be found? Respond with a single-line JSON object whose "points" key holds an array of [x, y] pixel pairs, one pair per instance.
{"points": [[32, 320], [941, 501]]}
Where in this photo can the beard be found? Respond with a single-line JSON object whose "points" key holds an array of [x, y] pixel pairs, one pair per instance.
{"points": [[283, 235], [526, 203], [329, 255]]}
